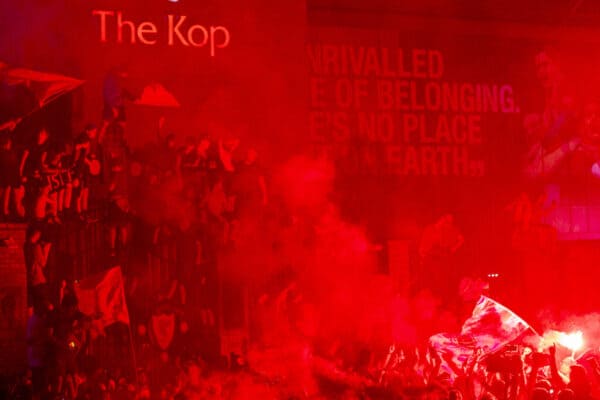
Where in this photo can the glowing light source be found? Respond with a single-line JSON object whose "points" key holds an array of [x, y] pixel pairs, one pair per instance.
{"points": [[572, 341]]}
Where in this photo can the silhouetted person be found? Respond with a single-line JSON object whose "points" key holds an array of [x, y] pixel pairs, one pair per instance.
{"points": [[540, 393], [36, 252], [39, 349], [10, 182], [115, 96], [67, 331], [579, 383], [566, 394]]}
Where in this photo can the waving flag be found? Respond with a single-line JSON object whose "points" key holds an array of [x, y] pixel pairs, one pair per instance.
{"points": [[103, 297], [26, 91], [493, 326], [490, 327], [157, 95], [45, 86]]}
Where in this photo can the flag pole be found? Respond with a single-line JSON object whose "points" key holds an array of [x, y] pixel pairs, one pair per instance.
{"points": [[133, 356], [106, 295], [124, 300]]}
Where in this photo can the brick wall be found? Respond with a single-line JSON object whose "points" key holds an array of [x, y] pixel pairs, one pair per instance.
{"points": [[13, 298]]}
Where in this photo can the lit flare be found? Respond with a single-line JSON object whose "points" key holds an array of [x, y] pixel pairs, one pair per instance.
{"points": [[572, 341]]}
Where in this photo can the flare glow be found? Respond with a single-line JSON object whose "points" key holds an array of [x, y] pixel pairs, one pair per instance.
{"points": [[572, 341]]}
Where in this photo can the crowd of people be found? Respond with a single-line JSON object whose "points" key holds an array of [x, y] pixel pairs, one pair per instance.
{"points": [[514, 373], [195, 195], [161, 193], [189, 194]]}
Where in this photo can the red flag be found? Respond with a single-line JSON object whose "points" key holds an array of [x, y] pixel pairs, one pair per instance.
{"points": [[45, 86], [493, 326], [156, 95], [103, 297], [455, 352], [490, 327]]}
